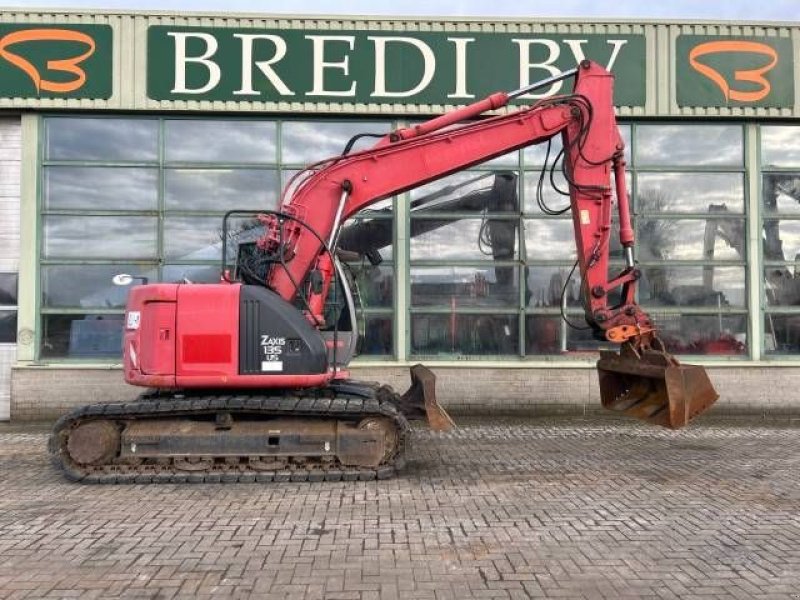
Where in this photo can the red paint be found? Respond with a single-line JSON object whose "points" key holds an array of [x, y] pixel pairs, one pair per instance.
{"points": [[206, 348]]}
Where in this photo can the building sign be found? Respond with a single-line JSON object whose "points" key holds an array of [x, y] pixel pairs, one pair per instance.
{"points": [[734, 71], [279, 65], [55, 61]]}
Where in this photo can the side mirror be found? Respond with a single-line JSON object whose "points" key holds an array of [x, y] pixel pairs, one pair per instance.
{"points": [[122, 279]]}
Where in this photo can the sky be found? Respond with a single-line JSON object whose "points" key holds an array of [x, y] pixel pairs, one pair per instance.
{"points": [[744, 10]]}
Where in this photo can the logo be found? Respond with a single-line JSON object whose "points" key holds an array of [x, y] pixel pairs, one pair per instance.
{"points": [[724, 71], [66, 65], [755, 75], [56, 61]]}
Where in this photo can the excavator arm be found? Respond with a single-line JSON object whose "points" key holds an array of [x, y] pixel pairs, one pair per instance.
{"points": [[643, 379]]}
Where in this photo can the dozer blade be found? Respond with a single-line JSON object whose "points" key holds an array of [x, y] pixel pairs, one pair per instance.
{"points": [[419, 402], [653, 386]]}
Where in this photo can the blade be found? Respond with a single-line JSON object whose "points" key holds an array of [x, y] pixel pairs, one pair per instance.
{"points": [[419, 401]]}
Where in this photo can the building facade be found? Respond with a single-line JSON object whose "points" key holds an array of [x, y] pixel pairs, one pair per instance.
{"points": [[125, 137]]}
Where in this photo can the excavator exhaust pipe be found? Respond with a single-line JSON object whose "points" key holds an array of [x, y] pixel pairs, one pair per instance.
{"points": [[419, 402], [651, 385]]}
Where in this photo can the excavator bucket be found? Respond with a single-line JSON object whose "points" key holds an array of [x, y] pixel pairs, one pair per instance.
{"points": [[653, 386], [419, 402]]}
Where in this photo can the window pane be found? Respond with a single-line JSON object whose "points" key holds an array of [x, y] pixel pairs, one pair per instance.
{"points": [[221, 189], [472, 287], [545, 285], [367, 236], [468, 191], [781, 239], [193, 238], [690, 192], [782, 285], [782, 193], [89, 286], [100, 237], [8, 326], [551, 198], [194, 273], [82, 336], [780, 146], [692, 286], [101, 139], [465, 239], [550, 239], [378, 338], [547, 334], [8, 289], [703, 334], [690, 239], [535, 155], [214, 140], [782, 334], [449, 334], [101, 188], [306, 142], [375, 284], [690, 145]]}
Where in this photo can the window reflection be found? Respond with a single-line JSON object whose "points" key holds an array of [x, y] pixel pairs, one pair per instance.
{"points": [[8, 289], [703, 334], [780, 145], [191, 273], [782, 285], [100, 188], [549, 334], [101, 139], [464, 334], [99, 237], [198, 238], [690, 192], [375, 284], [546, 284], [222, 141], [689, 145], [306, 142], [692, 286], [690, 239], [8, 326], [221, 189], [782, 334], [82, 336], [781, 193], [451, 286], [535, 155], [550, 239], [781, 239], [378, 338], [370, 239], [89, 286], [468, 191], [465, 239]]}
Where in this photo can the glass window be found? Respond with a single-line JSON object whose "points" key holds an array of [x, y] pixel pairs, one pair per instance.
{"points": [[690, 239], [781, 239], [464, 334], [690, 192], [782, 334], [689, 145], [191, 273], [692, 286], [221, 189], [8, 289], [535, 155], [307, 142], [99, 237], [703, 334], [100, 188], [89, 286], [782, 285], [780, 146], [82, 336], [378, 338], [375, 284], [468, 191], [465, 239], [781, 192], [453, 286], [221, 141], [8, 326], [100, 139], [548, 334], [546, 284], [550, 239]]}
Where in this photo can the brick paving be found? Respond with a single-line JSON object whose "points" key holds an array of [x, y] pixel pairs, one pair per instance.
{"points": [[565, 508]]}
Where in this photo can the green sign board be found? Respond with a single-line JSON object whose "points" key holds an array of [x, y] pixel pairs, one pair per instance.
{"points": [[279, 65], [734, 71], [43, 60]]}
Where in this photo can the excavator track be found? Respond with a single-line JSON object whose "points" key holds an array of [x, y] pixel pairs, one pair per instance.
{"points": [[93, 444]]}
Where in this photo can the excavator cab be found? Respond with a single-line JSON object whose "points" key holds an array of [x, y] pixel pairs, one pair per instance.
{"points": [[645, 382]]}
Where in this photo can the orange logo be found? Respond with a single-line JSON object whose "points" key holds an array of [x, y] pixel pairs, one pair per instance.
{"points": [[752, 75], [64, 65]]}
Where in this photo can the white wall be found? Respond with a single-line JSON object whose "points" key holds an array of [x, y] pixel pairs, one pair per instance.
{"points": [[10, 155]]}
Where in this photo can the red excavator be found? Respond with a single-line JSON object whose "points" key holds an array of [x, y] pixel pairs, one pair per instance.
{"points": [[248, 378]]}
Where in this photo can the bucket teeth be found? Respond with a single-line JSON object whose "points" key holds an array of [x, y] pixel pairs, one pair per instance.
{"points": [[420, 403], [652, 386]]}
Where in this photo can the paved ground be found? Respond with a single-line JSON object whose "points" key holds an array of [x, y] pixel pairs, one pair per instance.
{"points": [[506, 509]]}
